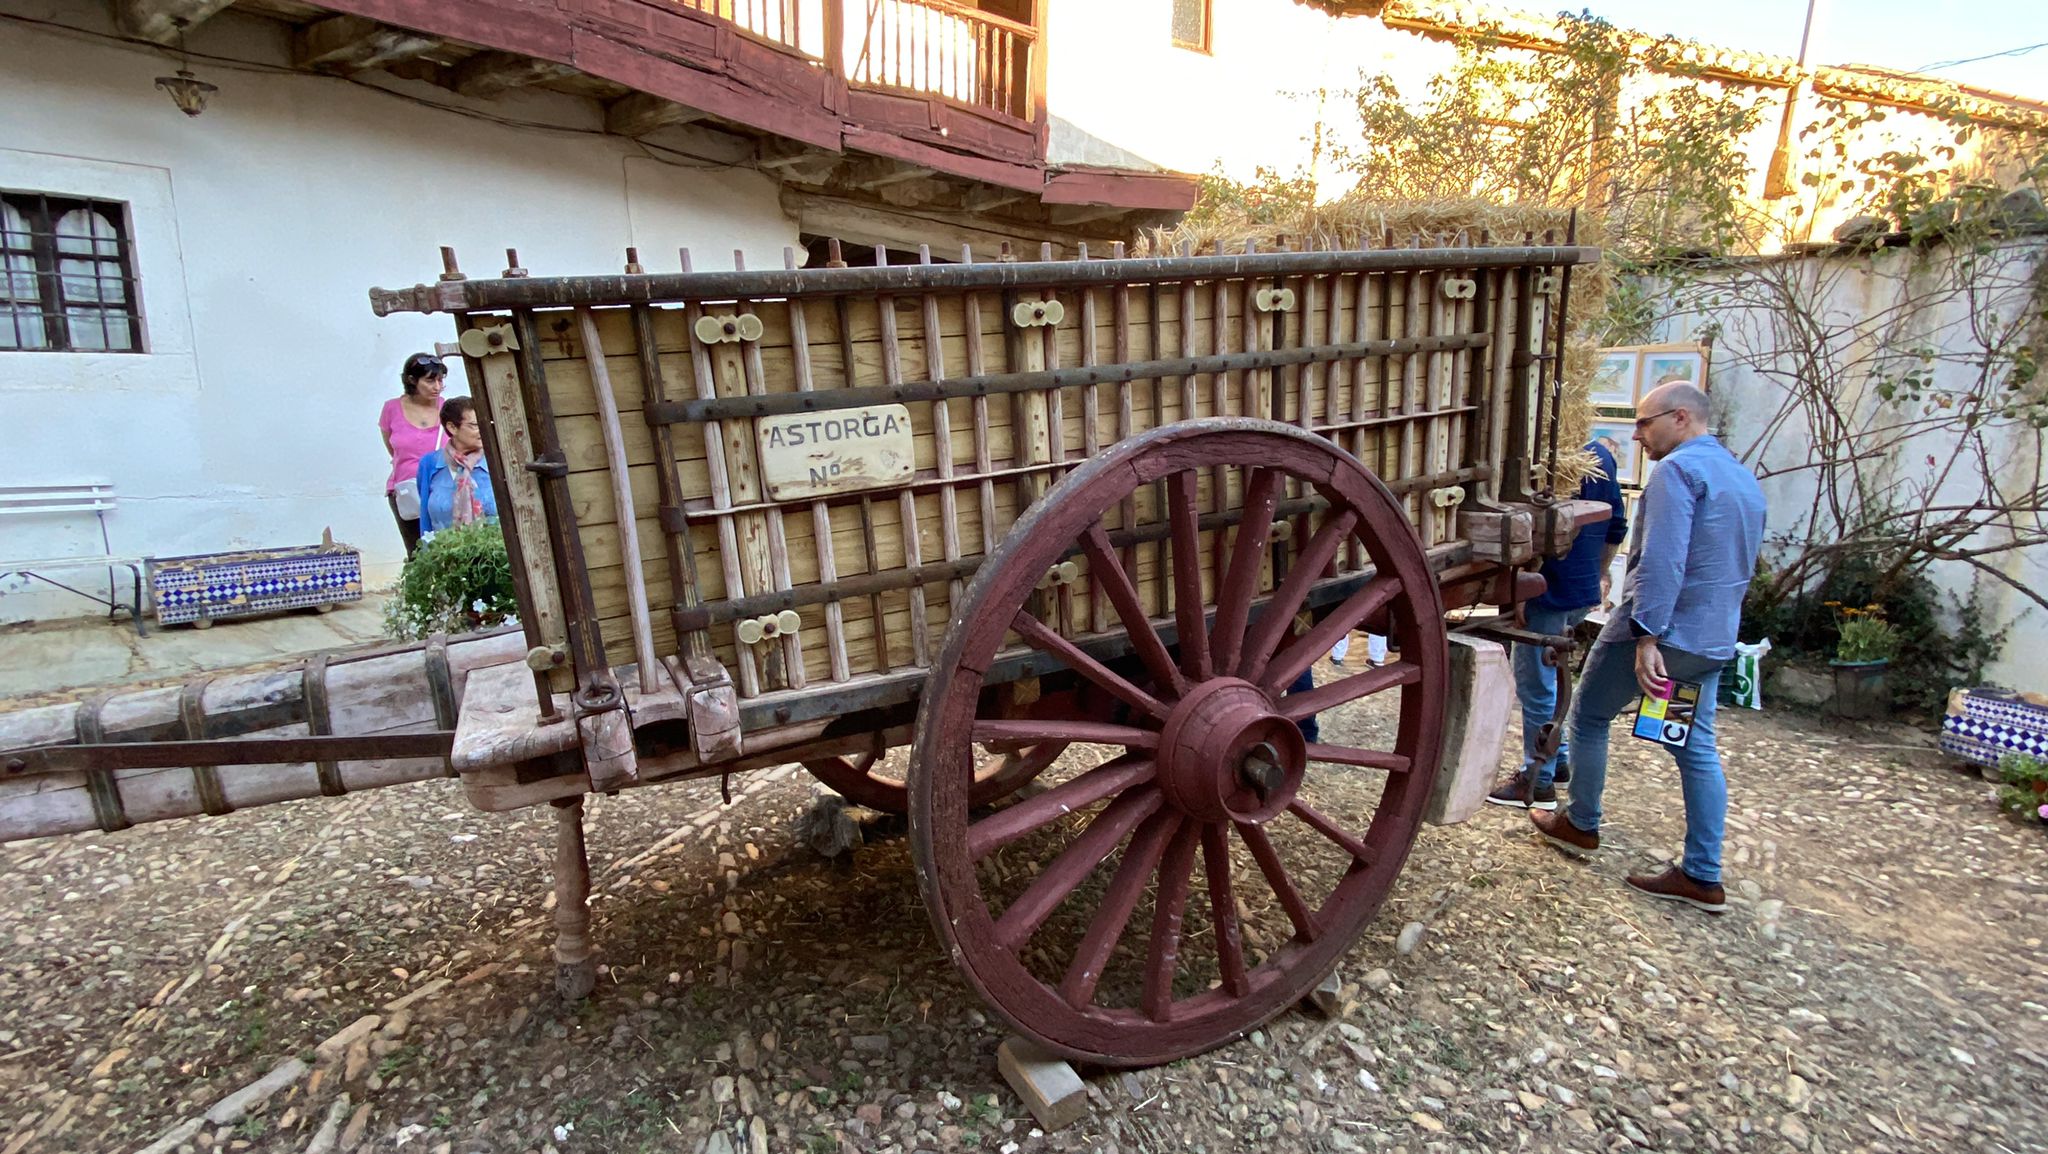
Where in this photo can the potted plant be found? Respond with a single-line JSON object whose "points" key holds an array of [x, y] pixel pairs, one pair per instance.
{"points": [[1862, 655], [2026, 784], [460, 580]]}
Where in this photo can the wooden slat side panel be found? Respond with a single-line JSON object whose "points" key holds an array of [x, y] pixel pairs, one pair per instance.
{"points": [[947, 334]]}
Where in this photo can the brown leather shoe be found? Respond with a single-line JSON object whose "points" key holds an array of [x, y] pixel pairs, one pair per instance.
{"points": [[1675, 885], [1558, 830]]}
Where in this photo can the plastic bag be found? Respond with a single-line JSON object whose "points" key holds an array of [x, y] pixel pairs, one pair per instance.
{"points": [[407, 496], [1746, 673]]}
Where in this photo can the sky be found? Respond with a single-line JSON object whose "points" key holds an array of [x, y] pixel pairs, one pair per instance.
{"points": [[1908, 35]]}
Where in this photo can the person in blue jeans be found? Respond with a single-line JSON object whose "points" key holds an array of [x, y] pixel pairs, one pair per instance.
{"points": [[1574, 584], [1700, 526]]}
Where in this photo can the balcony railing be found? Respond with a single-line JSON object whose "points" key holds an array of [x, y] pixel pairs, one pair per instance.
{"points": [[944, 48], [779, 21]]}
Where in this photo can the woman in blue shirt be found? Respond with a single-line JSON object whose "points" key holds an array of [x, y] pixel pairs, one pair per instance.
{"points": [[455, 480]]}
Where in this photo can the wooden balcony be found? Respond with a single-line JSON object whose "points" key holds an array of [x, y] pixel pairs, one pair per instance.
{"points": [[950, 87], [979, 56]]}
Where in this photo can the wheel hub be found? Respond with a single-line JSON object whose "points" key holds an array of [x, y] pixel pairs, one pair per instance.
{"points": [[1227, 755]]}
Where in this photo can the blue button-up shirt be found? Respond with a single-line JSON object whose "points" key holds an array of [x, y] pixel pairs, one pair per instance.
{"points": [[1573, 580], [1698, 530]]}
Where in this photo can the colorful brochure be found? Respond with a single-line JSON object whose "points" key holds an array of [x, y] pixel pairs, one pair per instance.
{"points": [[1668, 721]]}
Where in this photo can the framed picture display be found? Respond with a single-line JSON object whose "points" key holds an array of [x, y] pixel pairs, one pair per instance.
{"points": [[1614, 379], [1617, 436], [1625, 372], [1620, 378], [1663, 364]]}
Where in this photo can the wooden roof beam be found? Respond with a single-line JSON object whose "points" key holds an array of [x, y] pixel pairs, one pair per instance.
{"points": [[489, 74], [160, 20], [990, 199], [639, 113], [897, 175], [349, 44], [799, 165], [1074, 215]]}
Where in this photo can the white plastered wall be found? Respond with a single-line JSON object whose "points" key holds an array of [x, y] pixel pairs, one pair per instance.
{"points": [[1274, 68], [259, 226]]}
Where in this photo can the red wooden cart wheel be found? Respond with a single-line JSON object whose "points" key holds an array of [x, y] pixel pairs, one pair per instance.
{"points": [[999, 773], [1208, 759]]}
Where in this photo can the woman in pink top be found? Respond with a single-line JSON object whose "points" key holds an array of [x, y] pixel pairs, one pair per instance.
{"points": [[411, 424]]}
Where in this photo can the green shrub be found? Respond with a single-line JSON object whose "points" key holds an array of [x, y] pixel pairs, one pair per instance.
{"points": [[1941, 641], [2022, 774], [459, 580]]}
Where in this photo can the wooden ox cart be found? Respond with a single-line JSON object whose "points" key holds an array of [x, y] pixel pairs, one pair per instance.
{"points": [[1092, 519]]}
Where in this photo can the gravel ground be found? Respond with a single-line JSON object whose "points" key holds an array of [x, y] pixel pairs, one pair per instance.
{"points": [[1878, 985]]}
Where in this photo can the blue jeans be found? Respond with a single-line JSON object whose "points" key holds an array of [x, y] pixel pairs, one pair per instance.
{"points": [[1606, 690], [1310, 731], [1536, 685]]}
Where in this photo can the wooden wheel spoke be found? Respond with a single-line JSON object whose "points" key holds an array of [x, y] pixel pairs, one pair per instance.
{"points": [[1277, 618], [1034, 631], [1026, 730], [1347, 755], [1276, 876], [1309, 648], [1223, 912], [1189, 611], [1126, 886], [1247, 556], [1322, 824], [1162, 954], [1072, 867], [1296, 706], [1012, 822], [1116, 583]]}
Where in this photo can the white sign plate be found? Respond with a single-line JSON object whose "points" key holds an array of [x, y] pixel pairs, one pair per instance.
{"points": [[842, 451]]}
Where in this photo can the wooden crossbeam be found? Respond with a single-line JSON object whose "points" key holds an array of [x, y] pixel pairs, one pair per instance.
{"points": [[638, 113], [489, 74], [894, 174], [989, 199], [159, 20], [1069, 215], [349, 44], [799, 164]]}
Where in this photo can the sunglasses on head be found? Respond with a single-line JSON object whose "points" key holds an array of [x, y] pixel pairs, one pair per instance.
{"points": [[425, 366]]}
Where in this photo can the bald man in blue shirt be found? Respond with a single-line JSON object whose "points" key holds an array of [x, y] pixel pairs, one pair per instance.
{"points": [[1698, 529]]}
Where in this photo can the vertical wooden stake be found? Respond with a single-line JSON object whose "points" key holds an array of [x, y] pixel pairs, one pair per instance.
{"points": [[756, 558], [1220, 390], [622, 500], [721, 490], [1091, 439], [942, 437], [500, 374], [1126, 413], [788, 647], [1435, 438], [906, 501], [1361, 329], [821, 514], [843, 310], [1412, 402], [984, 458]]}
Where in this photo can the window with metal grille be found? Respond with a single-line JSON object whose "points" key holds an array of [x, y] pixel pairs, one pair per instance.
{"points": [[67, 275], [1191, 24]]}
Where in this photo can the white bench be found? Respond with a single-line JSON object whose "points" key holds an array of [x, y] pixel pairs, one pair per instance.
{"points": [[73, 499]]}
